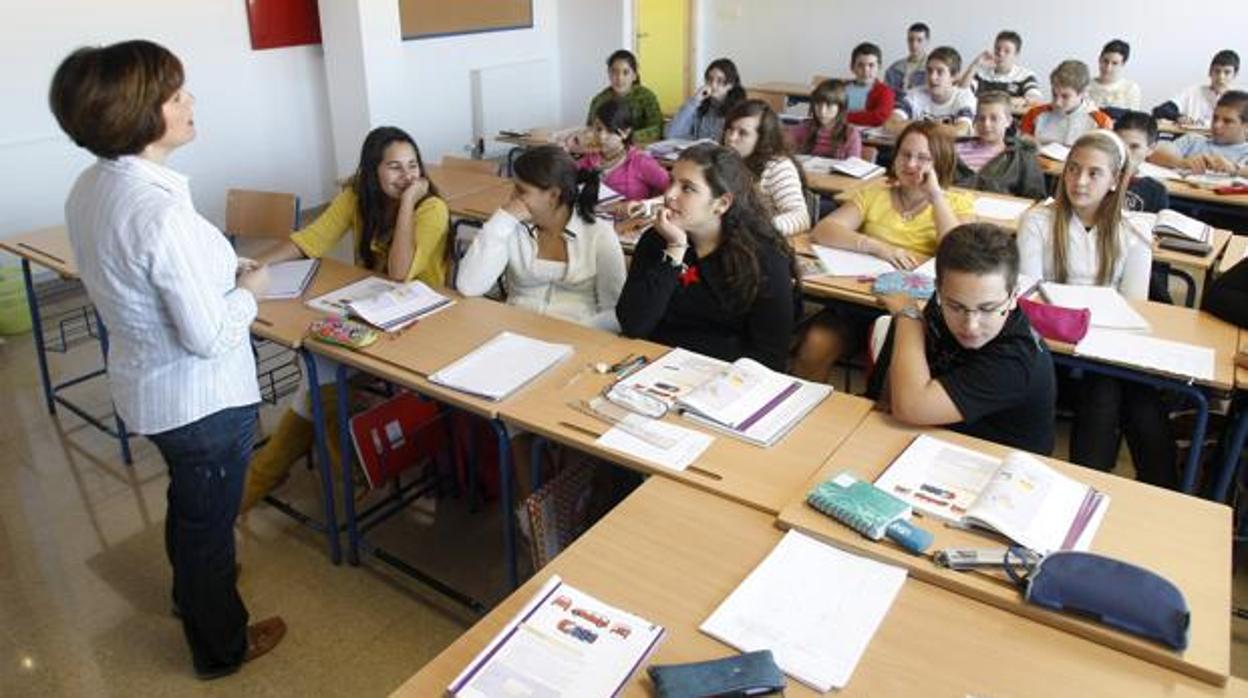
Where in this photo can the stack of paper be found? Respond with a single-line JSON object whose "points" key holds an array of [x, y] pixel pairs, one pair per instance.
{"points": [[1148, 169], [564, 643], [815, 607], [1109, 309], [501, 366], [290, 279], [1176, 231], [840, 262], [1151, 353]]}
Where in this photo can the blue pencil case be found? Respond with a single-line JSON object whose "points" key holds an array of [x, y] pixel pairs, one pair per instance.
{"points": [[1116, 593], [920, 286]]}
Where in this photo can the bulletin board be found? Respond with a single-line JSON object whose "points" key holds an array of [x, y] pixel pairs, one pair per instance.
{"points": [[280, 23], [423, 19]]}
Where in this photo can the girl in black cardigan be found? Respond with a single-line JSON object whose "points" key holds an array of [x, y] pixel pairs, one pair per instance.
{"points": [[713, 275]]}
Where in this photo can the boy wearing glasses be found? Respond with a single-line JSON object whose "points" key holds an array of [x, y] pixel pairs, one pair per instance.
{"points": [[969, 360]]}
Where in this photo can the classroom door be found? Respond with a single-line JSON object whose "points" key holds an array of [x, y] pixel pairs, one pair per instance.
{"points": [[663, 49]]}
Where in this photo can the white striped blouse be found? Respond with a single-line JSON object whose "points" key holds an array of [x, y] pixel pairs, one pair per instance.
{"points": [[781, 186], [162, 278]]}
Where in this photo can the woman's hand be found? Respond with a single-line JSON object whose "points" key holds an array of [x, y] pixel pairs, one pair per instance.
{"points": [[931, 184], [256, 281], [672, 234], [704, 91], [986, 59], [895, 302], [896, 256], [415, 190]]}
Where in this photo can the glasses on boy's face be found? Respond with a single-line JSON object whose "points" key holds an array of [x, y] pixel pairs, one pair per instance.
{"points": [[984, 311]]}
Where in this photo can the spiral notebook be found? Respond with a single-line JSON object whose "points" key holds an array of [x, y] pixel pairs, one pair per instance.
{"points": [[860, 505]]}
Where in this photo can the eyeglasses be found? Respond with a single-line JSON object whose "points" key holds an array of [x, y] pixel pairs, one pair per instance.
{"points": [[921, 158], [984, 311]]}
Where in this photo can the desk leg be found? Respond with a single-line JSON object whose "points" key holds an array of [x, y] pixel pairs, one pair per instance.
{"points": [[1198, 437], [41, 352], [123, 435], [322, 458], [1232, 450], [347, 455], [505, 493]]}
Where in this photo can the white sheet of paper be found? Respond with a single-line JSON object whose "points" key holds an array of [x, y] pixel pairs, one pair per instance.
{"points": [[1143, 351], [814, 606], [1109, 309], [689, 444], [501, 366], [840, 262], [1148, 169], [1055, 151], [1000, 209]]}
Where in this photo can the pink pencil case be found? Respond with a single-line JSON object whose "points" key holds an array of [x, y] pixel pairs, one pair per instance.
{"points": [[1055, 322]]}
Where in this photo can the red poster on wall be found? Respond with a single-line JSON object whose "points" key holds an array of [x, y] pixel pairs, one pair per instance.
{"points": [[278, 23]]}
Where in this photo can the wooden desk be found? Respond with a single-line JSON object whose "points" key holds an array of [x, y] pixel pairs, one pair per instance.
{"points": [[833, 183], [285, 322], [777, 94], [1177, 188], [1173, 128], [456, 182], [1236, 250], [762, 478], [47, 247], [671, 554], [1185, 539], [480, 205]]}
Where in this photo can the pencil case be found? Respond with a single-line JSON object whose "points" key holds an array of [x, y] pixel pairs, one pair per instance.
{"points": [[1113, 592], [343, 332], [749, 674], [920, 286], [1055, 322]]}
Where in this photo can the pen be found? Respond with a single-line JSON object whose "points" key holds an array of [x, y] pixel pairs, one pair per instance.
{"points": [[631, 367]]}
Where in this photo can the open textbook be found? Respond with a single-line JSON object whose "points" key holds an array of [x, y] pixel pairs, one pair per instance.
{"points": [[743, 399], [563, 643], [1019, 497], [386, 304]]}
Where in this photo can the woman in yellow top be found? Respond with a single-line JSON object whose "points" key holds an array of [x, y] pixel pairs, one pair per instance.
{"points": [[401, 231], [897, 222]]}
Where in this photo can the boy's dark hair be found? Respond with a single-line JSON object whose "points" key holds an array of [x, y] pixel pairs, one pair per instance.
{"points": [[947, 55], [1235, 99], [1225, 57], [1138, 121], [978, 248], [866, 48], [1010, 36], [920, 27], [1119, 47], [626, 56]]}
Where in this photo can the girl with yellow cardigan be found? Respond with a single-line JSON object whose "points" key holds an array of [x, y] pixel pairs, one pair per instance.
{"points": [[401, 231]]}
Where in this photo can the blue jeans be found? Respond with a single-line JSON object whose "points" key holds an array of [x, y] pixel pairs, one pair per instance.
{"points": [[207, 462]]}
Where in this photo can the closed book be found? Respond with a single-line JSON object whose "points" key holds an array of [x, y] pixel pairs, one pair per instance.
{"points": [[860, 505]]}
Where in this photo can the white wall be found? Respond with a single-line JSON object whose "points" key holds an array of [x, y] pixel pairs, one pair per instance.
{"points": [[792, 40], [261, 115], [589, 30]]}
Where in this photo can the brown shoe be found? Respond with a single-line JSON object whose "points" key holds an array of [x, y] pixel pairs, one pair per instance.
{"points": [[264, 636]]}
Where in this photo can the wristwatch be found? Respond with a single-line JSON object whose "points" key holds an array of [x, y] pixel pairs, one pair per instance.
{"points": [[911, 312]]}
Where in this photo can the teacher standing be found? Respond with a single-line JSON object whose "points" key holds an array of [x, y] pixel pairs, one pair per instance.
{"points": [[180, 365]]}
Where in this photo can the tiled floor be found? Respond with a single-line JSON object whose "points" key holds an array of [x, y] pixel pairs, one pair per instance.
{"points": [[84, 583]]}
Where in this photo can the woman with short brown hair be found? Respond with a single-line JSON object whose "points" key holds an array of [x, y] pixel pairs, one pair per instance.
{"points": [[165, 282]]}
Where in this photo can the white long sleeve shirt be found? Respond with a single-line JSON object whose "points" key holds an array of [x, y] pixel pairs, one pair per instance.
{"points": [[591, 282], [1035, 250], [162, 278]]}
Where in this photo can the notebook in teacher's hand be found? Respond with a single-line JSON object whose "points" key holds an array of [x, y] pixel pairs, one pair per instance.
{"points": [[1019, 497], [563, 643], [501, 366], [290, 279], [744, 399]]}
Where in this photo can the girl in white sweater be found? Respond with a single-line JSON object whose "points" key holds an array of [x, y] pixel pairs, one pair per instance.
{"points": [[554, 255], [752, 129]]}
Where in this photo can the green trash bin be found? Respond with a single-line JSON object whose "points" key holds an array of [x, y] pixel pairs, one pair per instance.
{"points": [[14, 313]]}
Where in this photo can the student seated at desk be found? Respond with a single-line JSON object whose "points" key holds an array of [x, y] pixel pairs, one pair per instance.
{"points": [[702, 115], [827, 132], [910, 72], [1225, 150], [753, 130], [1071, 114], [870, 101], [1195, 105], [626, 85], [626, 168], [996, 71], [896, 222], [969, 360], [1138, 132], [993, 161], [401, 232], [713, 275], [555, 256], [940, 100], [1083, 239], [1111, 91]]}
